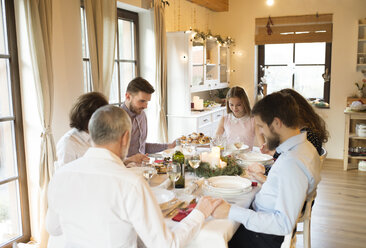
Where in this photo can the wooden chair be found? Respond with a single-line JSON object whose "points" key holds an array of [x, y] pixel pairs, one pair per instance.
{"points": [[305, 218]]}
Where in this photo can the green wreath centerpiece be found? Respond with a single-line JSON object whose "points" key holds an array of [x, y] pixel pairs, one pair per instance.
{"points": [[206, 170]]}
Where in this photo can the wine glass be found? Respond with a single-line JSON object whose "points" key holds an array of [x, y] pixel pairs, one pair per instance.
{"points": [[148, 171], [173, 170], [194, 161]]}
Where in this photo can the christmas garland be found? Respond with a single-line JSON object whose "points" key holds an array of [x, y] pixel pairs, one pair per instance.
{"points": [[203, 36], [205, 170]]}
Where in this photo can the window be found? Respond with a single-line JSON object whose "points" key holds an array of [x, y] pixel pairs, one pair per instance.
{"points": [[299, 66], [14, 214], [295, 52], [126, 59]]}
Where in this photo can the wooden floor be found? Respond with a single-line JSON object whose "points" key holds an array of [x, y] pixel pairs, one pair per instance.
{"points": [[339, 213]]}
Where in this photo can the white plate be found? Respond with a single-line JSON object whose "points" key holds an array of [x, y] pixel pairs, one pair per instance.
{"points": [[209, 192], [227, 184], [251, 157], [234, 148], [138, 169], [163, 195], [168, 153]]}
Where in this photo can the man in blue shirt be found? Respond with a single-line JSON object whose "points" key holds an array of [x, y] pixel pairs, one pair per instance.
{"points": [[293, 177]]}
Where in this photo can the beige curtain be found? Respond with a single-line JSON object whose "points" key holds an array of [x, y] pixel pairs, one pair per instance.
{"points": [[161, 76], [101, 18], [39, 21]]}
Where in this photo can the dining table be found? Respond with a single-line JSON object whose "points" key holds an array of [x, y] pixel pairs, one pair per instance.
{"points": [[215, 233]]}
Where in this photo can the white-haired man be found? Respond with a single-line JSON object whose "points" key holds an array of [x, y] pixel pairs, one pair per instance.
{"points": [[95, 201]]}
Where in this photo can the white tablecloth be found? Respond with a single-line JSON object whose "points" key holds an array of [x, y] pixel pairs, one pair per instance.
{"points": [[216, 233]]}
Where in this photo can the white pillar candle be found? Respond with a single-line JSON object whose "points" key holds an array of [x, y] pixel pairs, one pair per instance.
{"points": [[199, 104], [216, 155]]}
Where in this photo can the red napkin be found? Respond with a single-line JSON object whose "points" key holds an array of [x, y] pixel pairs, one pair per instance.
{"points": [[184, 212]]}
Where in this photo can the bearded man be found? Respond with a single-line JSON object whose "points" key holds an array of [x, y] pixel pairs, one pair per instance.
{"points": [[138, 95], [293, 178]]}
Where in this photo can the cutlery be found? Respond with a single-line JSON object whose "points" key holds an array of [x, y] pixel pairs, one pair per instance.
{"points": [[166, 205], [174, 207]]}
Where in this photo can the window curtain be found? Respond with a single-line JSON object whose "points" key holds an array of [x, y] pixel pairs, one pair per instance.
{"points": [[101, 18], [39, 22], [294, 29], [161, 67]]}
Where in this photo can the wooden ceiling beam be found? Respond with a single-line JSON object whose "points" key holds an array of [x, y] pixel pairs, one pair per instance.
{"points": [[215, 5]]}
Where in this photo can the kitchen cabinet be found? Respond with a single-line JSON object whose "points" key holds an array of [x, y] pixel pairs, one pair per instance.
{"points": [[352, 140], [361, 45], [205, 122], [193, 66]]}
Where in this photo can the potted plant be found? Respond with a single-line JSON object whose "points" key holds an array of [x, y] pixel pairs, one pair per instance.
{"points": [[221, 95], [360, 87]]}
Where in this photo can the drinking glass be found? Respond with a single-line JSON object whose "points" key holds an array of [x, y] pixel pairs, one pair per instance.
{"points": [[148, 171], [173, 170], [194, 161]]}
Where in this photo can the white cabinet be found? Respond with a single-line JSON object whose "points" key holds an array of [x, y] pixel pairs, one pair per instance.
{"points": [[193, 66], [361, 46], [200, 122]]}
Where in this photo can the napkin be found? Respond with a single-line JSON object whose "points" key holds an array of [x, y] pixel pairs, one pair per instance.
{"points": [[184, 212], [193, 186], [165, 184]]}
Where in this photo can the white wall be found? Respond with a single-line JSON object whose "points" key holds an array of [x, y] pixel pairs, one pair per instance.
{"points": [[67, 62], [239, 22]]}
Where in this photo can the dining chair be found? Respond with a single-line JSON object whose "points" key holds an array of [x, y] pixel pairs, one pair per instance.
{"points": [[323, 156], [304, 218], [289, 241]]}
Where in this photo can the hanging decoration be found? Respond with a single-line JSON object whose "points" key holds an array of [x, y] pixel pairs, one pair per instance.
{"points": [[203, 36], [165, 3], [268, 26]]}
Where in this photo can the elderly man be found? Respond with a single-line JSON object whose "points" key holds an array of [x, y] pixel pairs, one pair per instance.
{"points": [[138, 94], [293, 177], [95, 201]]}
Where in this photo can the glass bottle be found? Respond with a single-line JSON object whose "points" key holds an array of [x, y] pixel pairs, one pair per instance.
{"points": [[179, 158]]}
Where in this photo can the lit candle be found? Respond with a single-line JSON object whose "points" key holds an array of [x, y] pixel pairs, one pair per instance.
{"points": [[222, 164]]}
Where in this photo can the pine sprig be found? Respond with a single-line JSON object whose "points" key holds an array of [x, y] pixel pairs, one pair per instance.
{"points": [[205, 170]]}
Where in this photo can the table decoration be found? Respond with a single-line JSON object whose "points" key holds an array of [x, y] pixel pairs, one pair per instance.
{"points": [[206, 169]]}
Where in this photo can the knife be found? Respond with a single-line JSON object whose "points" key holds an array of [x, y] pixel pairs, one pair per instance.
{"points": [[170, 210]]}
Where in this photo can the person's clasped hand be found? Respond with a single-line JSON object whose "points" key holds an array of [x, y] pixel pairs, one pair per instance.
{"points": [[207, 205], [222, 211]]}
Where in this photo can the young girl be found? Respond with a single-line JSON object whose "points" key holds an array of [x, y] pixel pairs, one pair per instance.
{"points": [[238, 126]]}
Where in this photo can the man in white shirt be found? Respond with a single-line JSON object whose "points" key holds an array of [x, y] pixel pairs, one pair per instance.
{"points": [[293, 178], [95, 201]]}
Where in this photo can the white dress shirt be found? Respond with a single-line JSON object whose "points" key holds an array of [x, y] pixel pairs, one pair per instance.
{"points": [[95, 201], [71, 146], [293, 177]]}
